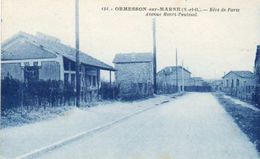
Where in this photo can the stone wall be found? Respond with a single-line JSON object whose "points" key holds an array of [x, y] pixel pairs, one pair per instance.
{"points": [[134, 72], [135, 79]]}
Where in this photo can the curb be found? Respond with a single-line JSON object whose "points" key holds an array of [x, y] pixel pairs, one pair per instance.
{"points": [[68, 140]]}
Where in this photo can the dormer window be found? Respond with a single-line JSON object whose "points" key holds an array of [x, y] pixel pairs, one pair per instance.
{"points": [[26, 64], [35, 63]]}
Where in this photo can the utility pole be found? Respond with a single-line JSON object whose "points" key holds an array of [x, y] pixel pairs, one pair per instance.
{"points": [[182, 76], [177, 85], [77, 53], [154, 57]]}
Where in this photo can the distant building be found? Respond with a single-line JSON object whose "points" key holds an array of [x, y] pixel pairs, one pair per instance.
{"points": [[28, 57], [167, 77], [198, 84], [196, 81], [240, 84], [257, 74], [134, 74], [216, 85]]}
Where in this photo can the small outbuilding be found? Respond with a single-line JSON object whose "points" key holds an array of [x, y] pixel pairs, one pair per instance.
{"points": [[240, 84], [172, 78], [134, 74]]}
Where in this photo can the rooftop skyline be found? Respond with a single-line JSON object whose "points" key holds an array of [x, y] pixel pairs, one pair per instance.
{"points": [[209, 45]]}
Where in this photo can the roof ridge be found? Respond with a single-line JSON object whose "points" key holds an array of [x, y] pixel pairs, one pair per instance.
{"points": [[63, 49]]}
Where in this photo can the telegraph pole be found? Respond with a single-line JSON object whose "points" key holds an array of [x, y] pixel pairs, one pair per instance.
{"points": [[154, 57], [77, 53], [182, 76], [177, 85]]}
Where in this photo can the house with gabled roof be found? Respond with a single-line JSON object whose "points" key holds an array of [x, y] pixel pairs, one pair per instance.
{"points": [[27, 57], [134, 74], [240, 84], [172, 76]]}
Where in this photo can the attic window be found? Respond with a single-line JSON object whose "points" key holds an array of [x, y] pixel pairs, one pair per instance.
{"points": [[35, 63], [26, 64]]}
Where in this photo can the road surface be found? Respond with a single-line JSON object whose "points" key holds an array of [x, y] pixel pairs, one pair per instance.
{"points": [[191, 126]]}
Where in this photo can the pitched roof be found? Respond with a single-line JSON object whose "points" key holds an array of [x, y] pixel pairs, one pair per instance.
{"points": [[197, 78], [133, 57], [42, 43], [171, 69], [243, 74], [25, 50]]}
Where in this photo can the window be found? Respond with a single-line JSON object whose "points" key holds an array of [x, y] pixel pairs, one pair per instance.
{"points": [[26, 64], [73, 66], [94, 80], [237, 83], [227, 83], [66, 64], [69, 65], [31, 73], [66, 78], [89, 81], [73, 80], [232, 83], [35, 63]]}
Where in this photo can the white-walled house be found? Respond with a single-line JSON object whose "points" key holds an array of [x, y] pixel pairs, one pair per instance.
{"points": [[217, 85], [196, 81], [27, 57], [240, 84], [173, 76]]}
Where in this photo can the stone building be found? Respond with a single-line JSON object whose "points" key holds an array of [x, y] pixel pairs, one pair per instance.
{"points": [[167, 78], [134, 74], [240, 84], [257, 75], [216, 85], [196, 81], [29, 57]]}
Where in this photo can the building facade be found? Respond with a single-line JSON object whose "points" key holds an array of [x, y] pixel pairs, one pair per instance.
{"points": [[196, 81], [240, 84], [134, 74], [172, 77], [216, 85], [27, 57]]}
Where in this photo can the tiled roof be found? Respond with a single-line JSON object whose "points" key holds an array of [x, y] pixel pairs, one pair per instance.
{"points": [[133, 57], [170, 69], [54, 46], [243, 74], [197, 78], [25, 50]]}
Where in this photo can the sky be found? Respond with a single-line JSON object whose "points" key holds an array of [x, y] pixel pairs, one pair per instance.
{"points": [[209, 44]]}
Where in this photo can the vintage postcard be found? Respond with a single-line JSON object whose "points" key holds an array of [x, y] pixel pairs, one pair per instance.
{"points": [[132, 79]]}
